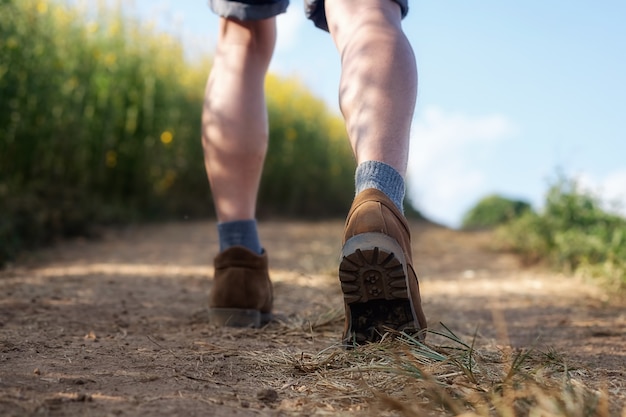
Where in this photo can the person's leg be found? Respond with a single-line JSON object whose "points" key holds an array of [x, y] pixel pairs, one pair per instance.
{"points": [[377, 97], [234, 138], [235, 127], [378, 85], [234, 118]]}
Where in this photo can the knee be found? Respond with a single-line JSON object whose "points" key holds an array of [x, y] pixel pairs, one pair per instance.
{"points": [[344, 16], [256, 37]]}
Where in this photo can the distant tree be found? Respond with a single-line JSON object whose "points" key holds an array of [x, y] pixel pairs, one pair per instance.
{"points": [[492, 211]]}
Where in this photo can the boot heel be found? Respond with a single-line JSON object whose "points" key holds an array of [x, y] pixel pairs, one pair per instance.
{"points": [[372, 268], [373, 275]]}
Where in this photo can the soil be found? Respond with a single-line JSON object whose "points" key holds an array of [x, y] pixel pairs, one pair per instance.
{"points": [[118, 325]]}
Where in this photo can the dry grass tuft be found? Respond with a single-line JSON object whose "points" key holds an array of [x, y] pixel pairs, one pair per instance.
{"points": [[402, 376]]}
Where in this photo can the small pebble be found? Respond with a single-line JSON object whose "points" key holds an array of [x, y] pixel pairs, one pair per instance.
{"points": [[267, 395]]}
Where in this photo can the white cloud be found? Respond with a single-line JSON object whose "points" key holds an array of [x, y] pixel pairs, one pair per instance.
{"points": [[614, 185], [288, 27], [611, 189], [445, 172]]}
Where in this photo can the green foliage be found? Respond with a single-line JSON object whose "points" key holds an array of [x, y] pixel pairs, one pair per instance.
{"points": [[309, 169], [572, 233], [100, 122], [492, 211]]}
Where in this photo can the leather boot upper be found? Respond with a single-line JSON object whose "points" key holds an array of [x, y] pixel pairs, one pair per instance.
{"points": [[241, 281]]}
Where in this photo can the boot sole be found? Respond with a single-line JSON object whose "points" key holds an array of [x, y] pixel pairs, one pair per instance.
{"points": [[238, 317], [373, 275]]}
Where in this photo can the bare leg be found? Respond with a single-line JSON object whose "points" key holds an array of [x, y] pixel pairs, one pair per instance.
{"points": [[234, 118], [234, 137], [378, 85], [377, 96]]}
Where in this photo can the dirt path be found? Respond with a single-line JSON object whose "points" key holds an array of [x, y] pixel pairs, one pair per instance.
{"points": [[118, 326]]}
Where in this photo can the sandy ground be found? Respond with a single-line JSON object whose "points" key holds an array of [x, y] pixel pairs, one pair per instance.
{"points": [[118, 326]]}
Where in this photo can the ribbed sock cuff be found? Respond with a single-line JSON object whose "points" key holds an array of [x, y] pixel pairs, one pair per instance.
{"points": [[383, 177], [239, 233]]}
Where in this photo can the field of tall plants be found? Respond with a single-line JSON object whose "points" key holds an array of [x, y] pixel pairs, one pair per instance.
{"points": [[100, 123]]}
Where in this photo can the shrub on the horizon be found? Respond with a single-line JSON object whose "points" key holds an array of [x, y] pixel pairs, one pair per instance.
{"points": [[493, 210], [572, 233]]}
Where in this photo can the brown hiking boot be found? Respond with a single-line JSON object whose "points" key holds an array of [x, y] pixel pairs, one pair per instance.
{"points": [[379, 284], [241, 295]]}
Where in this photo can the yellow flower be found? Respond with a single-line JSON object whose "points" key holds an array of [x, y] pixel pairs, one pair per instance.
{"points": [[167, 137], [42, 7], [111, 159], [110, 59]]}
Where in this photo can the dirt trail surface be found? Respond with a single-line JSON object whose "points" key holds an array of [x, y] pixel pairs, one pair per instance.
{"points": [[118, 326]]}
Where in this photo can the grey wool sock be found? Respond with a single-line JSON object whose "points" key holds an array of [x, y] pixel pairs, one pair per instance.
{"points": [[383, 177], [239, 233]]}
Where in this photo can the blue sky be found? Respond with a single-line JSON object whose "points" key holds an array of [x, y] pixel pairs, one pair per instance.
{"points": [[510, 92]]}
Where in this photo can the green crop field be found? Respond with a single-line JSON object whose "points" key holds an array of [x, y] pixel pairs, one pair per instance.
{"points": [[100, 123]]}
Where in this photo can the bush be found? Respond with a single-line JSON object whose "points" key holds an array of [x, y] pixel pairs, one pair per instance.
{"points": [[492, 211], [572, 233]]}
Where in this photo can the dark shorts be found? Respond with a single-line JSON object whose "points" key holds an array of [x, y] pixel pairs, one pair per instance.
{"points": [[264, 9]]}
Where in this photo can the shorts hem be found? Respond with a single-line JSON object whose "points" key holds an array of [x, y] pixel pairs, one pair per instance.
{"points": [[316, 13], [245, 11]]}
